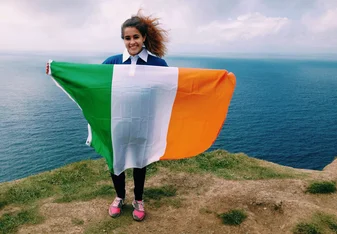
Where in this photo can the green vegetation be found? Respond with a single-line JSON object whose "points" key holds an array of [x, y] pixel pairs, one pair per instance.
{"points": [[306, 228], [2, 204], [160, 192], [326, 221], [229, 166], [88, 179], [159, 196], [76, 193], [9, 222], [319, 223], [322, 187], [233, 217], [77, 181]]}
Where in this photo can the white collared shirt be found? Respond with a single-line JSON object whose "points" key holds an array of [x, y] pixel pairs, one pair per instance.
{"points": [[143, 55]]}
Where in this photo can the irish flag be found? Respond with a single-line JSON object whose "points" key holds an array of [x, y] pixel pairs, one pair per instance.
{"points": [[139, 114]]}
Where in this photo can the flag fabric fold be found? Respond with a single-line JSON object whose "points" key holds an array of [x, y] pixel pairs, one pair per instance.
{"points": [[138, 114]]}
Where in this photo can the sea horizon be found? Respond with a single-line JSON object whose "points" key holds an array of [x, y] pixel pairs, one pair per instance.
{"points": [[283, 111], [232, 55]]}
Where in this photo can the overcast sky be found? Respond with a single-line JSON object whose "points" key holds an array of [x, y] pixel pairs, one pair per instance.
{"points": [[195, 26]]}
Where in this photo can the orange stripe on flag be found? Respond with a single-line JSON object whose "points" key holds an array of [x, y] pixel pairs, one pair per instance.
{"points": [[199, 111]]}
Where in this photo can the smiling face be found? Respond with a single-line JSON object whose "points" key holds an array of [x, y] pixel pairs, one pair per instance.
{"points": [[133, 40]]}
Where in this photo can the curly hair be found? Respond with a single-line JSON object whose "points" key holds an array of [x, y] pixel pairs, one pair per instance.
{"points": [[156, 37]]}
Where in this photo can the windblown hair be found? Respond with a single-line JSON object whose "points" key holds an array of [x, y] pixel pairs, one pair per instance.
{"points": [[156, 37]]}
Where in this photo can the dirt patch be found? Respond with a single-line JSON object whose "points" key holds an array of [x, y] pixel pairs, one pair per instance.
{"points": [[68, 217], [331, 168]]}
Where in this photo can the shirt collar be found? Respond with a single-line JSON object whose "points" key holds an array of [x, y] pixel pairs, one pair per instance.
{"points": [[143, 55]]}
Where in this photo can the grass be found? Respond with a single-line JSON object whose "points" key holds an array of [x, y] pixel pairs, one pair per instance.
{"points": [[159, 196], [229, 166], [323, 187], [27, 191], [76, 193], [9, 222], [327, 221], [306, 228], [73, 182], [2, 204], [78, 181], [160, 192], [319, 223], [233, 217]]}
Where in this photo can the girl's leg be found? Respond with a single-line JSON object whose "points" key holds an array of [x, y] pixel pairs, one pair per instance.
{"points": [[115, 208], [119, 184], [139, 181], [138, 204]]}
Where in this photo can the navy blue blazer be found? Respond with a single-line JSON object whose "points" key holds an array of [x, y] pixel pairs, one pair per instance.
{"points": [[151, 60]]}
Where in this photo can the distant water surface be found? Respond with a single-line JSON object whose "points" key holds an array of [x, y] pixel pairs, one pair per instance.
{"points": [[283, 111]]}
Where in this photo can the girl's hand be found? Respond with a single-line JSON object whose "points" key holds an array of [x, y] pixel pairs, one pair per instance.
{"points": [[47, 68]]}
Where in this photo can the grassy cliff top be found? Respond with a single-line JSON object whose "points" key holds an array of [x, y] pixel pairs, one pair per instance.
{"points": [[189, 194]]}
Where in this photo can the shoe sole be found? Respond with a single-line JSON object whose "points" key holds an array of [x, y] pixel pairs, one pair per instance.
{"points": [[116, 215], [138, 219]]}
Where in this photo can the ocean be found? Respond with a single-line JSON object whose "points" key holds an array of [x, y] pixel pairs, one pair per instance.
{"points": [[283, 111]]}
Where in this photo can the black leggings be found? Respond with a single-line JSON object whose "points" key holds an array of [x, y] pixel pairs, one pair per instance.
{"points": [[139, 181]]}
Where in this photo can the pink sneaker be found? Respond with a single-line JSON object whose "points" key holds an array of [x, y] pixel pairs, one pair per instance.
{"points": [[139, 211], [115, 208]]}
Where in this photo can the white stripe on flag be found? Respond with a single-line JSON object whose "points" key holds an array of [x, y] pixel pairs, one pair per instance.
{"points": [[140, 114]]}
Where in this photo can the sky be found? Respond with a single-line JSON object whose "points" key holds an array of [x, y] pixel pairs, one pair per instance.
{"points": [[195, 26]]}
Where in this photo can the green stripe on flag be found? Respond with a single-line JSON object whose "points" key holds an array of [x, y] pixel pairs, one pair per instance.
{"points": [[90, 87]]}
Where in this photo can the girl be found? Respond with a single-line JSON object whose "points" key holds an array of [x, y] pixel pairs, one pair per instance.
{"points": [[141, 34]]}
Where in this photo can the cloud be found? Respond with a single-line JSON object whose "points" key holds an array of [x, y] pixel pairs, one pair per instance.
{"points": [[327, 22], [244, 27], [204, 26], [56, 25], [320, 28]]}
